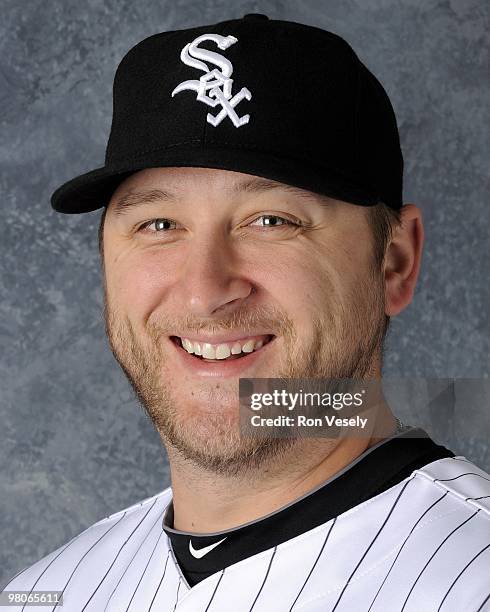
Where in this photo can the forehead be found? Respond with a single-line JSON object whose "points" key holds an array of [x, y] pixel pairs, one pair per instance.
{"points": [[154, 184]]}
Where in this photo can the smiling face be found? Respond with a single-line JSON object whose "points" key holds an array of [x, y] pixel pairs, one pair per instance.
{"points": [[213, 275]]}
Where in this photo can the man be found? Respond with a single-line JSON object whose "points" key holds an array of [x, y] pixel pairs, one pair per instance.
{"points": [[253, 227]]}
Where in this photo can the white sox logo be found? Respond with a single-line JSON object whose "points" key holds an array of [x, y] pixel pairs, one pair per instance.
{"points": [[213, 80]]}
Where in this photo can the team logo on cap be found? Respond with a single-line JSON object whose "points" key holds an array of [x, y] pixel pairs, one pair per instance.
{"points": [[214, 87]]}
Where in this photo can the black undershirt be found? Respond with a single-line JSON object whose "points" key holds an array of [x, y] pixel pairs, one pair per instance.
{"points": [[375, 471]]}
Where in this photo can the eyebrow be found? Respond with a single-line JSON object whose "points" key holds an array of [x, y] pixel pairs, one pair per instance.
{"points": [[135, 199], [257, 185]]}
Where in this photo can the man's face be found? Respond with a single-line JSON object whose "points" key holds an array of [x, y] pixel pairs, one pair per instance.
{"points": [[202, 258]]}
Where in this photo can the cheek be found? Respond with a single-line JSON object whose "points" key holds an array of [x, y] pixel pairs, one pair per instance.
{"points": [[301, 285], [137, 285], [316, 282]]}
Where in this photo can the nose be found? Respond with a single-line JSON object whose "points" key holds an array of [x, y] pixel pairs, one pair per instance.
{"points": [[210, 279]]}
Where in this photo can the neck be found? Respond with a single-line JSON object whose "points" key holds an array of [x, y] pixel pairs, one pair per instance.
{"points": [[206, 502]]}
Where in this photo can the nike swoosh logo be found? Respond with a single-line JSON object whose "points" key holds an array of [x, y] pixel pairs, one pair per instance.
{"points": [[199, 554]]}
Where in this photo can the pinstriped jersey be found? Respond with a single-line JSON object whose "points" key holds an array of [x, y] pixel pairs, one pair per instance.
{"points": [[423, 545]]}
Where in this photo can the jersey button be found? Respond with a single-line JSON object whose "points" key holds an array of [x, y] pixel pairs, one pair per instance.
{"points": [[256, 16]]}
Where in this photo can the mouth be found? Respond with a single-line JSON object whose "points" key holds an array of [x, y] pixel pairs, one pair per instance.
{"points": [[224, 351]]}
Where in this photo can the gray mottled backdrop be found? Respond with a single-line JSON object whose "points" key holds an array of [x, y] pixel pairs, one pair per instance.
{"points": [[75, 446]]}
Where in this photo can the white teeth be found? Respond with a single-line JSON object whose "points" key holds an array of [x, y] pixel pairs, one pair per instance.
{"points": [[187, 345], [208, 351], [223, 351], [248, 347]]}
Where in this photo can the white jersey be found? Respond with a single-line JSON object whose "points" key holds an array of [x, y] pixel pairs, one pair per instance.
{"points": [[423, 545]]}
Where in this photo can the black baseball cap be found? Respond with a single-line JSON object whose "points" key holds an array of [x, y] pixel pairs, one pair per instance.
{"points": [[275, 99]]}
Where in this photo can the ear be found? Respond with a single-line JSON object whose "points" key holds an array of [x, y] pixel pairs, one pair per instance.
{"points": [[402, 260]]}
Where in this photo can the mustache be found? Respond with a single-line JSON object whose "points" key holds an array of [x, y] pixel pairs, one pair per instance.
{"points": [[245, 320]]}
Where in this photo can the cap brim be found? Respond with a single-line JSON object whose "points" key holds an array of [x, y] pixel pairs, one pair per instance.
{"points": [[94, 189]]}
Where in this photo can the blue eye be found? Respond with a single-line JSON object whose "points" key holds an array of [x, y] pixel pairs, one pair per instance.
{"points": [[272, 221], [160, 224]]}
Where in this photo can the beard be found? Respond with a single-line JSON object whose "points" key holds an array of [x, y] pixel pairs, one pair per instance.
{"points": [[345, 341]]}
